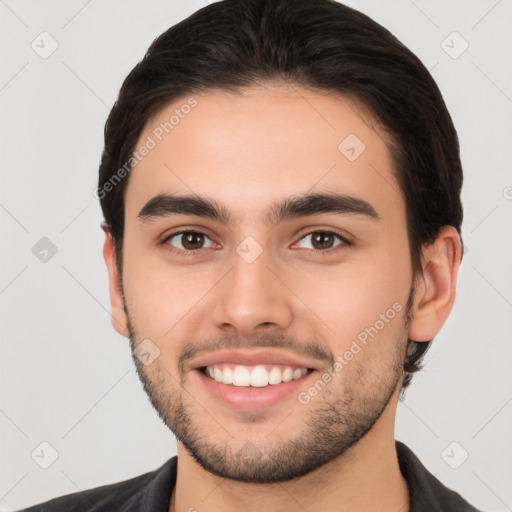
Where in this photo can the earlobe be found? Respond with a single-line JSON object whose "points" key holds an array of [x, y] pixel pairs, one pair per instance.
{"points": [[118, 314], [435, 287]]}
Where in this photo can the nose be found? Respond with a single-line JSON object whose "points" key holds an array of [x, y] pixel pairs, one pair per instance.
{"points": [[252, 298]]}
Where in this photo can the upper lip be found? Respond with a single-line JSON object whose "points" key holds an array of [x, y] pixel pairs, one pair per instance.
{"points": [[252, 358]]}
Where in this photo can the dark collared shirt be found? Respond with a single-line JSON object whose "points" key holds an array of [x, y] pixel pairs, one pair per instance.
{"points": [[151, 492]]}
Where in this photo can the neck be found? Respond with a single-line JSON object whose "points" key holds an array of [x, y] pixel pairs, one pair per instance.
{"points": [[367, 478]]}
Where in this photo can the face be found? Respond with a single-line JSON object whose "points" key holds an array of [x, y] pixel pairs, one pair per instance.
{"points": [[294, 268]]}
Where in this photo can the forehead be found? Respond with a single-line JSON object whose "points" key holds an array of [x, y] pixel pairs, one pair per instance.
{"points": [[249, 150]]}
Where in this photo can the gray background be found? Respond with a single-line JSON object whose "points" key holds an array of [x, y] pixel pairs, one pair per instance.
{"points": [[67, 378]]}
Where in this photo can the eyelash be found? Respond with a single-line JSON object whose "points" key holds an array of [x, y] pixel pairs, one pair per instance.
{"points": [[318, 252]]}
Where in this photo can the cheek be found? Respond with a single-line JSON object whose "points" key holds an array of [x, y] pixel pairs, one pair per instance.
{"points": [[351, 298], [160, 296]]}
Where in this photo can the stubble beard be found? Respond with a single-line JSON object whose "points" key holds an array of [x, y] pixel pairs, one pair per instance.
{"points": [[338, 419]]}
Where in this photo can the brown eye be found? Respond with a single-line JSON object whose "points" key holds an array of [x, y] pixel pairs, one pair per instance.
{"points": [[186, 241], [324, 241]]}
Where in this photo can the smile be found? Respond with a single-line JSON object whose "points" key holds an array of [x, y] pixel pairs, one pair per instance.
{"points": [[253, 376]]}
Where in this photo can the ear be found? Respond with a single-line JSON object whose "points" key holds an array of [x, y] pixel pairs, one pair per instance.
{"points": [[435, 287], [118, 314]]}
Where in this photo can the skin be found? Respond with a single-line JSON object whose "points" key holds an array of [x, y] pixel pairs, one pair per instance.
{"points": [[247, 151]]}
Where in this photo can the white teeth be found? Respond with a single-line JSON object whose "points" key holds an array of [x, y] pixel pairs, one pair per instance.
{"points": [[297, 374], [259, 377], [274, 377], [227, 376], [287, 375], [241, 376], [217, 374], [256, 376]]}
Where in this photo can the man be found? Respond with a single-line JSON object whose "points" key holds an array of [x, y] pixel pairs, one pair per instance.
{"points": [[281, 191]]}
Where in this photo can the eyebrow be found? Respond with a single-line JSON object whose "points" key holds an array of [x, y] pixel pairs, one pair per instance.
{"points": [[165, 205]]}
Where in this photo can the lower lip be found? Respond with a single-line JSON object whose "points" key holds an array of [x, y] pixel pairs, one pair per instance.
{"points": [[249, 398]]}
